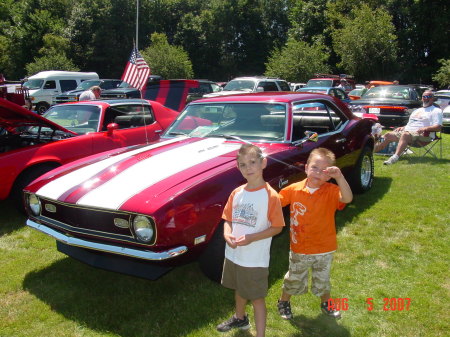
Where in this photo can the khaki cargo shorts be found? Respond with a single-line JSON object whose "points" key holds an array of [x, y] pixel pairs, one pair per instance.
{"points": [[416, 137], [296, 279]]}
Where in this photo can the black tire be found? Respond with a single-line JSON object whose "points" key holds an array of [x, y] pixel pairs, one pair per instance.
{"points": [[42, 107], [361, 178], [24, 179], [211, 260]]}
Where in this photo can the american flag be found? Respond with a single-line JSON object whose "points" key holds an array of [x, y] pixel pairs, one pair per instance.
{"points": [[136, 71]]}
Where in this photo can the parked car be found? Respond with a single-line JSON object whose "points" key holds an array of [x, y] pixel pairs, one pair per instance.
{"points": [[332, 91], [144, 209], [241, 85], [392, 104], [328, 80], [74, 95], [45, 84], [167, 92], [31, 145], [204, 87], [446, 119], [442, 98]]}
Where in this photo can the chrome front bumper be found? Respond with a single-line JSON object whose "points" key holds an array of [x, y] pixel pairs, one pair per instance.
{"points": [[134, 253]]}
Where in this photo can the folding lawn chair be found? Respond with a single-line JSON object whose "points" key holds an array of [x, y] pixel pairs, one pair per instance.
{"points": [[422, 149]]}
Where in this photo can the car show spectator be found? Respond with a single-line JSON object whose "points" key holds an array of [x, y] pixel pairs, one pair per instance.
{"points": [[421, 123], [252, 216], [313, 203], [91, 94]]}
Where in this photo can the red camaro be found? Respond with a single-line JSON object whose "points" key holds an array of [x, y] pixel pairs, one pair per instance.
{"points": [[31, 145], [144, 209]]}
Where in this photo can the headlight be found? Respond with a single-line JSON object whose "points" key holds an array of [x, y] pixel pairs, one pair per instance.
{"points": [[34, 204], [143, 228]]}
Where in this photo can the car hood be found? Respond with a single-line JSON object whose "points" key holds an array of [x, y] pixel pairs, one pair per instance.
{"points": [[384, 101], [149, 170], [13, 116]]}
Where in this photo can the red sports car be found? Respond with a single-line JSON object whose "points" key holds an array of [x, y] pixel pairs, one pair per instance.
{"points": [[143, 209], [31, 145]]}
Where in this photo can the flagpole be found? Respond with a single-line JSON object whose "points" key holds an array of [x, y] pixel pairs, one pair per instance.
{"points": [[137, 23]]}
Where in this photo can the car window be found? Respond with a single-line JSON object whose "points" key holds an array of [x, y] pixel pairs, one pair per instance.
{"points": [[339, 94], [319, 83], [67, 85], [129, 116], [316, 117], [75, 117], [215, 87], [50, 85], [268, 86], [240, 85], [284, 86]]}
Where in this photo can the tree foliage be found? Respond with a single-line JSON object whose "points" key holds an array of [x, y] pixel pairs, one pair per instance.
{"points": [[297, 61], [166, 60], [366, 43], [442, 76], [383, 39]]}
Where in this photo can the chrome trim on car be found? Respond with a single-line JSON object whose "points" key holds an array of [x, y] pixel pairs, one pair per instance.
{"points": [[135, 253]]}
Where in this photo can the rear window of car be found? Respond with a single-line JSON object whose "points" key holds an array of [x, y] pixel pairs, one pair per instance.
{"points": [[319, 83]]}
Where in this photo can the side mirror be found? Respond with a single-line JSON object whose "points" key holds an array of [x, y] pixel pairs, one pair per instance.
{"points": [[111, 127], [311, 136]]}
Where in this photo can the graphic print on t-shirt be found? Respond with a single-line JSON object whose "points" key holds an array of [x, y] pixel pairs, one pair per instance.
{"points": [[245, 214]]}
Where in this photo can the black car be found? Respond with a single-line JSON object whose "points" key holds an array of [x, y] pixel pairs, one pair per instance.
{"points": [[392, 104], [74, 95]]}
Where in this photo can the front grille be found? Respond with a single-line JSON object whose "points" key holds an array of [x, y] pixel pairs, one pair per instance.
{"points": [[88, 222]]}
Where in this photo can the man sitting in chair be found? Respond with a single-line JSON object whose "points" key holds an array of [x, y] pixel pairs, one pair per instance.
{"points": [[422, 121]]}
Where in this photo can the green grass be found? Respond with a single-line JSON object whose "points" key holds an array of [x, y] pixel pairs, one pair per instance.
{"points": [[393, 243]]}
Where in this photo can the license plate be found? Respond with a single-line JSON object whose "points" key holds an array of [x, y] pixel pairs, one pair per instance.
{"points": [[374, 110]]}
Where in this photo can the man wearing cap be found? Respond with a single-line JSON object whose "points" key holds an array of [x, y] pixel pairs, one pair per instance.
{"points": [[421, 123]]}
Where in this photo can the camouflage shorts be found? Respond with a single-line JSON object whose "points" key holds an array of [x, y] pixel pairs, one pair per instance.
{"points": [[296, 279]]}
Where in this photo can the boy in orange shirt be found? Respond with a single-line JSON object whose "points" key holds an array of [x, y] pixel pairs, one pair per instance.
{"points": [[252, 216], [313, 203]]}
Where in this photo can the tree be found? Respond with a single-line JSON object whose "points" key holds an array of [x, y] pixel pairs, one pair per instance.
{"points": [[366, 43], [297, 61], [442, 76], [166, 60], [52, 56]]}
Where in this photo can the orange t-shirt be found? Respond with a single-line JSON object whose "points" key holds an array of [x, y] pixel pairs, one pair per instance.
{"points": [[313, 228]]}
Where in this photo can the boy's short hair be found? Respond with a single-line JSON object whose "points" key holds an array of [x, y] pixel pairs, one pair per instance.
{"points": [[322, 152], [249, 148]]}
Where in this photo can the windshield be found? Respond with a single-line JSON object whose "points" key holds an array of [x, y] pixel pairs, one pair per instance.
{"points": [[124, 85], [319, 83], [33, 84], [77, 118], [251, 121], [87, 84], [320, 91], [394, 92], [240, 85]]}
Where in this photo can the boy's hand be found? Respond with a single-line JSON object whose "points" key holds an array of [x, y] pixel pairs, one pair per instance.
{"points": [[333, 172], [231, 240], [243, 240]]}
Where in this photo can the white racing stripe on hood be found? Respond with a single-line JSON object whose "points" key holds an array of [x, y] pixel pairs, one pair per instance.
{"points": [[57, 187], [144, 174]]}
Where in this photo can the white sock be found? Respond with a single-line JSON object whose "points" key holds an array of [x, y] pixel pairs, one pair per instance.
{"points": [[394, 156]]}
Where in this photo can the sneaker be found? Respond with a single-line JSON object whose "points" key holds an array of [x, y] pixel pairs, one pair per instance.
{"points": [[284, 309], [329, 311], [234, 323], [393, 159]]}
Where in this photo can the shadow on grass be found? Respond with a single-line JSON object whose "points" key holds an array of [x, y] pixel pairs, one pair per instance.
{"points": [[361, 202], [11, 218], [319, 326], [180, 302]]}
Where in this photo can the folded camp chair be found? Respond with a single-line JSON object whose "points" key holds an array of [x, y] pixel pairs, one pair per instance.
{"points": [[422, 149]]}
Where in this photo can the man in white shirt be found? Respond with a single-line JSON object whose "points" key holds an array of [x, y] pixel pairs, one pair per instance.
{"points": [[422, 122], [91, 94]]}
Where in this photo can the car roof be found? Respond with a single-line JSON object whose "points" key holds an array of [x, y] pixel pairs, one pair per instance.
{"points": [[110, 102], [273, 96]]}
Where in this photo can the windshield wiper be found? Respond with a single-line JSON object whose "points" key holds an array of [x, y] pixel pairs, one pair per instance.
{"points": [[178, 134], [229, 137]]}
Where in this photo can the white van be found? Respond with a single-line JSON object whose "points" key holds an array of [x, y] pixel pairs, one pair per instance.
{"points": [[45, 84]]}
